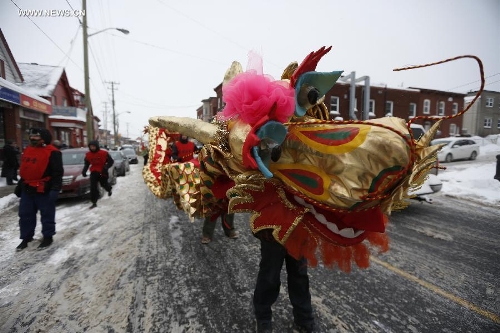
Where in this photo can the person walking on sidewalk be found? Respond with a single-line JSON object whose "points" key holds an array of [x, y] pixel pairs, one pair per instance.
{"points": [[227, 221], [41, 174], [99, 162], [10, 163]]}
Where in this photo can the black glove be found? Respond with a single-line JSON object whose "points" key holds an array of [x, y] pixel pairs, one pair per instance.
{"points": [[18, 189], [84, 174]]}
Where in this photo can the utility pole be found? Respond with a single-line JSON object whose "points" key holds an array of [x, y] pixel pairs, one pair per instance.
{"points": [[88, 105], [105, 117], [115, 127]]}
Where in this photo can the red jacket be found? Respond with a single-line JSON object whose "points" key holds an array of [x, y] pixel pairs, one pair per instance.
{"points": [[42, 167], [184, 151], [98, 161]]}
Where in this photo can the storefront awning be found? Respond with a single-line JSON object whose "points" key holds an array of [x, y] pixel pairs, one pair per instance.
{"points": [[12, 93]]}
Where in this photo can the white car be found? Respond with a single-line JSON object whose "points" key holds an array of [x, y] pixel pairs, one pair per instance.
{"points": [[456, 148], [432, 184]]}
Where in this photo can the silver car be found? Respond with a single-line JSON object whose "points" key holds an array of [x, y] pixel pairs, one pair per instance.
{"points": [[456, 148]]}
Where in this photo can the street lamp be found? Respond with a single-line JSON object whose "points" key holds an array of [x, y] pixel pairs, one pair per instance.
{"points": [[115, 124], [90, 118], [124, 31]]}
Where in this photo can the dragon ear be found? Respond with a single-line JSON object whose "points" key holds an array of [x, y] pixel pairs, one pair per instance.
{"points": [[289, 70], [232, 71]]}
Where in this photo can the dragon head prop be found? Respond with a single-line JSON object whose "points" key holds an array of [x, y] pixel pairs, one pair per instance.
{"points": [[325, 188]]}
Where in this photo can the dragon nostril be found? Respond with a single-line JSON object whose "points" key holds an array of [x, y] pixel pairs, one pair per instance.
{"points": [[276, 153]]}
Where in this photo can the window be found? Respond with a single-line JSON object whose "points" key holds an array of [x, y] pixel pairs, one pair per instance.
{"points": [[64, 102], [440, 108], [413, 110], [388, 108], [427, 106], [454, 109], [489, 102], [453, 130], [498, 123], [54, 100], [2, 69], [371, 108], [487, 122], [334, 105]]}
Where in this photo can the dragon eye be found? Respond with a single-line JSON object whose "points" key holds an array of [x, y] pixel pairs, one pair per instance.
{"points": [[276, 153], [313, 96], [308, 96]]}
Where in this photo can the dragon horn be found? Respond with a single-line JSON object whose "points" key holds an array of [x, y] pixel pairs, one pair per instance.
{"points": [[231, 72], [194, 128]]}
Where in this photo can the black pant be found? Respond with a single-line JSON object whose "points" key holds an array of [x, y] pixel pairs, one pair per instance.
{"points": [[268, 284], [97, 178], [497, 173], [10, 175]]}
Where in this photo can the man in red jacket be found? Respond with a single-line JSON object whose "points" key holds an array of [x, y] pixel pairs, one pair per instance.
{"points": [[183, 150], [41, 174], [99, 162]]}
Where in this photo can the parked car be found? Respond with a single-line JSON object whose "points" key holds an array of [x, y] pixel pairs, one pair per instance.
{"points": [[126, 147], [131, 155], [417, 130], [432, 184], [122, 165], [73, 183], [456, 148]]}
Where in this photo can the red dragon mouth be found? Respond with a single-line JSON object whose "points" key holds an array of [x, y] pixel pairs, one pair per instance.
{"points": [[275, 208], [342, 228]]}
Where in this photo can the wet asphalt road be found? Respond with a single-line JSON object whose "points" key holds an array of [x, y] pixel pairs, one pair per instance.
{"points": [[442, 274]]}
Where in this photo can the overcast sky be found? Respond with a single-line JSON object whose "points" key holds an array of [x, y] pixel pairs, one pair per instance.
{"points": [[178, 51]]}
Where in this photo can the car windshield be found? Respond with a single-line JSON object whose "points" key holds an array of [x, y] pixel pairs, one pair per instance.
{"points": [[73, 158], [417, 132], [438, 142], [117, 156], [128, 152]]}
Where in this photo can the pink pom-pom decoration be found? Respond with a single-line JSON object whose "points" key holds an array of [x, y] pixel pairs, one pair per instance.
{"points": [[251, 96]]}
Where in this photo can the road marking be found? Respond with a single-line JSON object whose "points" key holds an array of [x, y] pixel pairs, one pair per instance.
{"points": [[493, 317]]}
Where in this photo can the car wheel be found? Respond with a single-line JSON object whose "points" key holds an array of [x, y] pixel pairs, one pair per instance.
{"points": [[473, 155], [449, 158]]}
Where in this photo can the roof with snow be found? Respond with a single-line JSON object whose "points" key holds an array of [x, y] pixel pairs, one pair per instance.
{"points": [[40, 79]]}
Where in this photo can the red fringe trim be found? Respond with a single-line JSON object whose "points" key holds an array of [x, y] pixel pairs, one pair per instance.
{"points": [[302, 243]]}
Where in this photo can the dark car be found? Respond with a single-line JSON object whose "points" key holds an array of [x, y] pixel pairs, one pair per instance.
{"points": [[131, 155], [74, 184], [121, 162]]}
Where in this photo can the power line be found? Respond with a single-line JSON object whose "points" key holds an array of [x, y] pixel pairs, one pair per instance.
{"points": [[169, 50], [163, 106], [98, 71], [78, 18], [15, 4], [204, 26], [467, 84], [58, 65]]}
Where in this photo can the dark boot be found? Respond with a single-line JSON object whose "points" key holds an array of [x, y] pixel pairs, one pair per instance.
{"points": [[45, 242], [24, 244]]}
